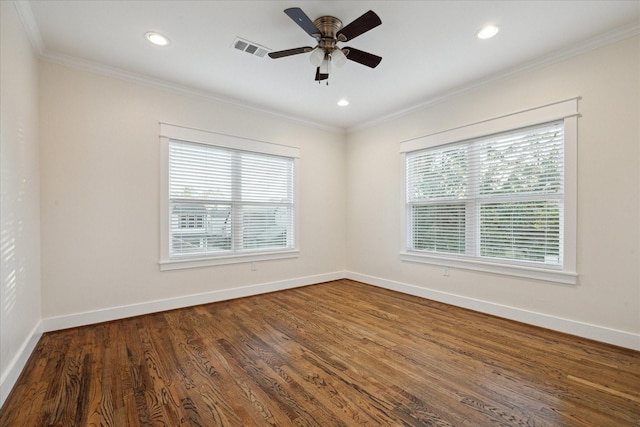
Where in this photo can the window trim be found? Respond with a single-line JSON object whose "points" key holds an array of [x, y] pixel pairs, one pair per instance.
{"points": [[180, 133], [566, 110]]}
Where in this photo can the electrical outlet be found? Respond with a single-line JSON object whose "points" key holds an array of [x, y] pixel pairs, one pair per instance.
{"points": [[253, 266], [445, 271]]}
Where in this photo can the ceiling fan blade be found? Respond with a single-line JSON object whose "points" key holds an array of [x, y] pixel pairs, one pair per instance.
{"points": [[289, 52], [362, 57], [361, 25], [300, 18], [320, 76]]}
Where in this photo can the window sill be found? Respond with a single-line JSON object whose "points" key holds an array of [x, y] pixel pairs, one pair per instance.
{"points": [[558, 276], [177, 264]]}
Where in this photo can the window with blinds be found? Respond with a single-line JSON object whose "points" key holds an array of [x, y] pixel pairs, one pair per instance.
{"points": [[224, 201], [499, 197]]}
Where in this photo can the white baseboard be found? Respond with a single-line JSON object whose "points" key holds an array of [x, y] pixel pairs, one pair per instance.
{"points": [[12, 372], [114, 313], [572, 327], [585, 330], [594, 332]]}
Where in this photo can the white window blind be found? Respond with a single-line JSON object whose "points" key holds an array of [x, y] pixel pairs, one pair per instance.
{"points": [[499, 197], [224, 201]]}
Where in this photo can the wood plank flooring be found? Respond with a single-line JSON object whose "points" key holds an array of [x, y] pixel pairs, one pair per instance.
{"points": [[335, 354]]}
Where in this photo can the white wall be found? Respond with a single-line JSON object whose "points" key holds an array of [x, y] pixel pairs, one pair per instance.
{"points": [[605, 304], [100, 171], [20, 199]]}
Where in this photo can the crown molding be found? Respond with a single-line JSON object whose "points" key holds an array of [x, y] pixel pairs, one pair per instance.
{"points": [[31, 27], [554, 57], [141, 79]]}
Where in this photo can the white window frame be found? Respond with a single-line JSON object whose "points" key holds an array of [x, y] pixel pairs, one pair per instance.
{"points": [[170, 132], [567, 111]]}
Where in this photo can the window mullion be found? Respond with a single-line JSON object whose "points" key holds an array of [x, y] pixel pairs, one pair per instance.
{"points": [[473, 210], [236, 202]]}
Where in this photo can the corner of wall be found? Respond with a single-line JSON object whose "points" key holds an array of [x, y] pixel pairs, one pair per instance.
{"points": [[10, 376]]}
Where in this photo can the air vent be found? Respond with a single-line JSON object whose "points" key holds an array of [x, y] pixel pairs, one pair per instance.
{"points": [[250, 47]]}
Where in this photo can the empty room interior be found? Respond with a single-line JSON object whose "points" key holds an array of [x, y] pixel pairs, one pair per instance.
{"points": [[320, 213]]}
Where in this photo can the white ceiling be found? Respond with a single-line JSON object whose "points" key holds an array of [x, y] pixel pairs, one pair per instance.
{"points": [[428, 48]]}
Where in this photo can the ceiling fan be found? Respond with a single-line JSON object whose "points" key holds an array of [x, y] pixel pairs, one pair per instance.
{"points": [[328, 31]]}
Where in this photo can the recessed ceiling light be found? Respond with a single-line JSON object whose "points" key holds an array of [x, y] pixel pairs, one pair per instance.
{"points": [[157, 39], [343, 102], [488, 32]]}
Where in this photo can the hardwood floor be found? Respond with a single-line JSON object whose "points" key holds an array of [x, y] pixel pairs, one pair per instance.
{"points": [[335, 354]]}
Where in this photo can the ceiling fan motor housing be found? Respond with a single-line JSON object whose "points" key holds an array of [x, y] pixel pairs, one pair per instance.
{"points": [[329, 27]]}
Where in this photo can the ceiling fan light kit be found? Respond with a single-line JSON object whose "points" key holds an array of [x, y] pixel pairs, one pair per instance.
{"points": [[338, 57], [325, 66], [328, 31], [317, 56]]}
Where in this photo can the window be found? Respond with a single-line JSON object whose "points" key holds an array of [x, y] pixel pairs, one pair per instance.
{"points": [[498, 197], [226, 199], [495, 202]]}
